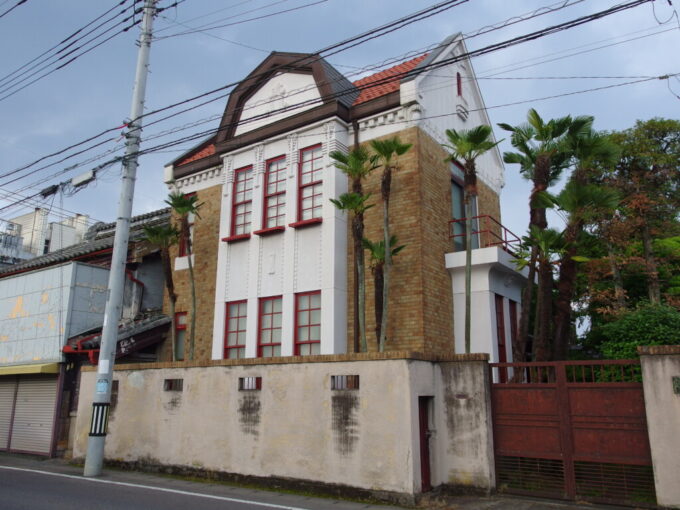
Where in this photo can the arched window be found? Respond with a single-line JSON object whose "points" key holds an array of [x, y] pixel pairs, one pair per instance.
{"points": [[459, 84]]}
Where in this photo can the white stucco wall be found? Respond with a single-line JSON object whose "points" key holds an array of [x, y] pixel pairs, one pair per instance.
{"points": [[662, 406], [492, 273], [297, 427]]}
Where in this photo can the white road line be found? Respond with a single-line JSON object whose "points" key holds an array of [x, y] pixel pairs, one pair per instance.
{"points": [[151, 487]]}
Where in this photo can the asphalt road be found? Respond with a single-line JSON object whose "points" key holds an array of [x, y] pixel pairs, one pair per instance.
{"points": [[28, 488]]}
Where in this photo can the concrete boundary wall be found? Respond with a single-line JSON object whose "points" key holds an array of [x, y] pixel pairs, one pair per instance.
{"points": [[296, 427], [661, 384]]}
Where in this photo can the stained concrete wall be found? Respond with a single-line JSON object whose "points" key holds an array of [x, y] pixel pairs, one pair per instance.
{"points": [[296, 427], [660, 364]]}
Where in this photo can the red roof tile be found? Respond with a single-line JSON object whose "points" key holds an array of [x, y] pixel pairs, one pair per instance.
{"points": [[387, 86], [206, 151]]}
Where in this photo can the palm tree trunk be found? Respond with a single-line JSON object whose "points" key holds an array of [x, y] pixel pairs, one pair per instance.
{"points": [[357, 188], [385, 188], [565, 293], [358, 234], [542, 350], [468, 273], [378, 282], [653, 287], [172, 298], [192, 332]]}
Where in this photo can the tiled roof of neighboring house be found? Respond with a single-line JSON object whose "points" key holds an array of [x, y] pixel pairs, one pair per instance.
{"points": [[388, 85], [100, 238], [206, 151], [92, 338]]}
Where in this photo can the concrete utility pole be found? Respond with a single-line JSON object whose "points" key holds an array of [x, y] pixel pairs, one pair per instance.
{"points": [[114, 303]]}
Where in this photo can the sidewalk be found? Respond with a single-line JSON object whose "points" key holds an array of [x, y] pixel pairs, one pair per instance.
{"points": [[432, 501]]}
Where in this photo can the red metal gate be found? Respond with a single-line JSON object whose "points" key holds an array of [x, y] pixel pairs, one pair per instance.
{"points": [[572, 430]]}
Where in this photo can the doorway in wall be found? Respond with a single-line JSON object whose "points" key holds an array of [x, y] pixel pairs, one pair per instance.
{"points": [[424, 414]]}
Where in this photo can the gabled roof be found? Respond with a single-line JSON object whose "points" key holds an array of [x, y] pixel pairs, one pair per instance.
{"points": [[99, 237], [390, 79]]}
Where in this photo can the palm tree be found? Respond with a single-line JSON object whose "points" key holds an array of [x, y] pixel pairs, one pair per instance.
{"points": [[165, 236], [357, 164], [467, 146], [185, 206], [356, 204], [386, 150], [543, 153], [584, 203], [377, 252]]}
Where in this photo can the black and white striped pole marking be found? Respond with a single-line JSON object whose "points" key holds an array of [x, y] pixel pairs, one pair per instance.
{"points": [[100, 419]]}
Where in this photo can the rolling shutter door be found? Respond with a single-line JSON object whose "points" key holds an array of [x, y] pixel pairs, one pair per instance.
{"points": [[7, 389], [34, 414]]}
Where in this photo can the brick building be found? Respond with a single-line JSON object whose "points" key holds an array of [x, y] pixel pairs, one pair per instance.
{"points": [[272, 255]]}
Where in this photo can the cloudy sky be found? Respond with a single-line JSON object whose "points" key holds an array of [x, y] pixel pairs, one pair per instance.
{"points": [[93, 92]]}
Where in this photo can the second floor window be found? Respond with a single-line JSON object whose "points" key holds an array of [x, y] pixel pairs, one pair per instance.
{"points": [[310, 183], [275, 193], [242, 205], [307, 323]]}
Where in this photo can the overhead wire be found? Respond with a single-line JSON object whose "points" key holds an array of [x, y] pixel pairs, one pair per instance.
{"points": [[468, 55], [183, 140], [62, 42], [9, 94], [20, 2]]}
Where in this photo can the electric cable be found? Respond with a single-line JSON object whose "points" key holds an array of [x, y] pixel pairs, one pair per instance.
{"points": [[20, 2]]}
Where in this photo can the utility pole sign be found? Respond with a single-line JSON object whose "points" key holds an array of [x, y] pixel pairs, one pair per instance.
{"points": [[101, 402]]}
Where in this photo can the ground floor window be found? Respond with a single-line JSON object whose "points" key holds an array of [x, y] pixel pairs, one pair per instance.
{"points": [[269, 331], [307, 323], [235, 330]]}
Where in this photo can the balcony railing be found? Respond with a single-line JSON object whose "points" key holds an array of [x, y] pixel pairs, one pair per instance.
{"points": [[486, 232]]}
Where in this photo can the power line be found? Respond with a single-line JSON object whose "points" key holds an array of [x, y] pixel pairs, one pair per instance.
{"points": [[231, 85], [20, 2], [72, 59], [64, 41], [494, 47]]}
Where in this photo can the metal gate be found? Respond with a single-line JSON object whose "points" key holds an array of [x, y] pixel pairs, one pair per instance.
{"points": [[572, 430]]}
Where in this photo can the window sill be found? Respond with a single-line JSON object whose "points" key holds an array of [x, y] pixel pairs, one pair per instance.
{"points": [[305, 223], [234, 239], [269, 231]]}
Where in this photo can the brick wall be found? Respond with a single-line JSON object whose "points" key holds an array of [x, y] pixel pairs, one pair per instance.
{"points": [[205, 244], [421, 302]]}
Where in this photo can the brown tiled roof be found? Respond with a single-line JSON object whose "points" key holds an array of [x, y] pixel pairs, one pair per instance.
{"points": [[387, 86]]}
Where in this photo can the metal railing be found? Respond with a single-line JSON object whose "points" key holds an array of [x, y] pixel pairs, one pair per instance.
{"points": [[486, 232]]}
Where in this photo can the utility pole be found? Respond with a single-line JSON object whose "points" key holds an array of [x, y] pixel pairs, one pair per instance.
{"points": [[114, 303]]}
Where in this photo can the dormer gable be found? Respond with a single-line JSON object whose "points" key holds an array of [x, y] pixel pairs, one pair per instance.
{"points": [[282, 86]]}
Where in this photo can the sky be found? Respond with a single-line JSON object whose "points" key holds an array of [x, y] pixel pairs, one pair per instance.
{"points": [[93, 93]]}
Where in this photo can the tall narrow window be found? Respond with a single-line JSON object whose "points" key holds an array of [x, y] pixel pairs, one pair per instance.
{"points": [[307, 323], [310, 183], [459, 84], [180, 334], [500, 334], [187, 237], [269, 334], [513, 322], [235, 330], [242, 201], [275, 193], [458, 211]]}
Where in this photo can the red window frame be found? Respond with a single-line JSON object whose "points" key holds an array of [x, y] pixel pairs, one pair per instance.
{"points": [[266, 329], [305, 187], [238, 348], [275, 195], [242, 198], [183, 239], [306, 330], [180, 327], [459, 84]]}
